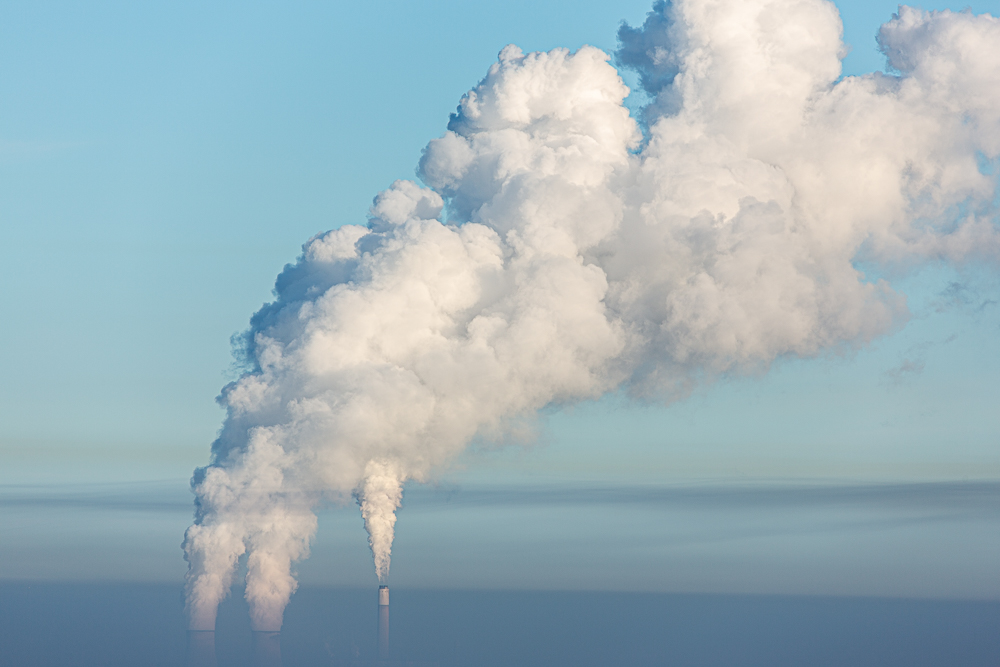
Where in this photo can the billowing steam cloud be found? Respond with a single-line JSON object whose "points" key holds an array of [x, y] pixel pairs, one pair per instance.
{"points": [[559, 253]]}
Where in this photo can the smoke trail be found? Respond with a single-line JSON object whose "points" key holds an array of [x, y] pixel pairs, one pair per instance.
{"points": [[380, 495], [560, 253]]}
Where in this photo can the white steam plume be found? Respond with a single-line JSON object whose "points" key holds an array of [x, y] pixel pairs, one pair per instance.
{"points": [[381, 493], [574, 257]]}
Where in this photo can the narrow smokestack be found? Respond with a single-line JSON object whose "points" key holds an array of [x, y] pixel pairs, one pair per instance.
{"points": [[201, 649], [383, 622], [266, 649]]}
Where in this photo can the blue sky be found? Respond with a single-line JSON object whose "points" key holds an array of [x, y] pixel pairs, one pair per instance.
{"points": [[160, 163]]}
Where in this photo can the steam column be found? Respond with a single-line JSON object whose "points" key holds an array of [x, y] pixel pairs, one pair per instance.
{"points": [[383, 622]]}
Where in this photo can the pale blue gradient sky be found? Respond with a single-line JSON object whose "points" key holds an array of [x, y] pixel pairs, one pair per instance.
{"points": [[160, 163]]}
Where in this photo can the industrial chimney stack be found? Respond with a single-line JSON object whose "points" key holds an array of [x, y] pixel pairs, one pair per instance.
{"points": [[383, 622]]}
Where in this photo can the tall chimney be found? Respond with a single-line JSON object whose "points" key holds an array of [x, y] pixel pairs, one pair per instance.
{"points": [[383, 622]]}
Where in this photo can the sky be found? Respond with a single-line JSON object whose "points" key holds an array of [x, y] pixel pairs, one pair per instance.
{"points": [[160, 164]]}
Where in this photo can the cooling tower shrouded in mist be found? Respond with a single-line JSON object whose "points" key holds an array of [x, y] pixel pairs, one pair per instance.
{"points": [[201, 649], [266, 649], [383, 622]]}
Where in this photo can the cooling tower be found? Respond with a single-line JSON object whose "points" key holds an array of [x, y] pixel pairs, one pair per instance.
{"points": [[383, 622], [266, 649], [201, 649]]}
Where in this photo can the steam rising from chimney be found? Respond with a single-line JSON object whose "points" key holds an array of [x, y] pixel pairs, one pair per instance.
{"points": [[559, 253], [381, 493]]}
